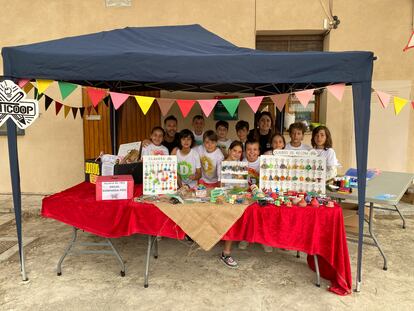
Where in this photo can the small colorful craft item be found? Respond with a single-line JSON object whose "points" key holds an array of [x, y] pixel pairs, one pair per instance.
{"points": [[315, 202], [201, 191]]}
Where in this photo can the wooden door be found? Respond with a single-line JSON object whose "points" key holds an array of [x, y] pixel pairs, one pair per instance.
{"points": [[133, 125]]}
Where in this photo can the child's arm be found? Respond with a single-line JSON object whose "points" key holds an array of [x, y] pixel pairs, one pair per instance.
{"points": [[174, 151], [197, 174]]}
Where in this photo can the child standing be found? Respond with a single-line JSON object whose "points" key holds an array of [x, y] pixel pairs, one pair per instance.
{"points": [[155, 147], [242, 130], [278, 142], [198, 126], [322, 143], [296, 133], [210, 158], [222, 128], [234, 154], [189, 167]]}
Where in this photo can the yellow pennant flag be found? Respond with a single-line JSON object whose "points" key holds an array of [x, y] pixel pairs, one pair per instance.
{"points": [[399, 103], [144, 102], [42, 85], [67, 110]]}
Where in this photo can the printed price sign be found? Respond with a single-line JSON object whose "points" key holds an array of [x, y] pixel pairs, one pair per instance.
{"points": [[14, 105]]}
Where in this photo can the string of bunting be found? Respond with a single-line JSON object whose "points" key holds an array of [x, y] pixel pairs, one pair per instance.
{"points": [[97, 95]]}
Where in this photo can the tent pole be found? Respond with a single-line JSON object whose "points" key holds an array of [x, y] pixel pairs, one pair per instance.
{"points": [[113, 128], [362, 111], [15, 181]]}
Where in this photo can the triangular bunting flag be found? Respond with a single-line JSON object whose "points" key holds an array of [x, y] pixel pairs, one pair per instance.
{"points": [[185, 105], [410, 43], [48, 102], [106, 101], [81, 111], [280, 100], [58, 106], [207, 105], [231, 104], [144, 103], [337, 90], [22, 82], [66, 110], [96, 95], [27, 88], [89, 109], [37, 95], [66, 89], [254, 102], [304, 96], [412, 104], [42, 85], [74, 112], [399, 103], [384, 98], [118, 99], [165, 104]]}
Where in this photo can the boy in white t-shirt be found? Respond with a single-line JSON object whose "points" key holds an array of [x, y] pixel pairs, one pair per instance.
{"points": [[155, 147], [198, 126], [296, 133], [189, 166], [222, 128], [210, 158]]}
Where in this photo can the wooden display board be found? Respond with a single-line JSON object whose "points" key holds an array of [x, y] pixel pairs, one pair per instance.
{"points": [[160, 175], [293, 170]]}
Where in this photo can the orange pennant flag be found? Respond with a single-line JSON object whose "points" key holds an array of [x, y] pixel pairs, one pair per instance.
{"points": [[144, 102], [304, 96], [165, 104], [280, 100]]}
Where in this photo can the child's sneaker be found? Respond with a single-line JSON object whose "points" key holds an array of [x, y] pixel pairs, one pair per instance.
{"points": [[267, 249], [229, 261], [243, 244]]}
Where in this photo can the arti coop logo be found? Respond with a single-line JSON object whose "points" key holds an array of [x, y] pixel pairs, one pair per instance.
{"points": [[14, 105]]}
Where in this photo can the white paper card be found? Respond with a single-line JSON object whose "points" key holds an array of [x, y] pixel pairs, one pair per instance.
{"points": [[117, 190]]}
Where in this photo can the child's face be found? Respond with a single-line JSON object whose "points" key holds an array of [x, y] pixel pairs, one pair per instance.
{"points": [[296, 136], [210, 145], [222, 132], [277, 143], [235, 153], [265, 123], [198, 125], [320, 138], [242, 134], [252, 152], [186, 142], [157, 137]]}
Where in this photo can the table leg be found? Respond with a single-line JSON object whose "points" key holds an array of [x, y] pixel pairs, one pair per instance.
{"points": [[147, 261], [297, 254], [371, 207], [318, 276], [155, 251], [121, 262], [67, 250], [401, 215]]}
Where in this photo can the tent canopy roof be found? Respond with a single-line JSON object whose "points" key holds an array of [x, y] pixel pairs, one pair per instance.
{"points": [[177, 54]]}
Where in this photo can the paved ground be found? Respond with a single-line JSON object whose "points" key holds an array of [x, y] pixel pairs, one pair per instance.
{"points": [[185, 280]]}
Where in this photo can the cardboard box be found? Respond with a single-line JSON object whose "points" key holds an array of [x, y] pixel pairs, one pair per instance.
{"points": [[120, 187], [94, 169], [351, 219]]}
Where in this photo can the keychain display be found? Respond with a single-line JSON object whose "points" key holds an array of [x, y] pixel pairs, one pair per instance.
{"points": [[293, 170], [160, 175], [234, 174]]}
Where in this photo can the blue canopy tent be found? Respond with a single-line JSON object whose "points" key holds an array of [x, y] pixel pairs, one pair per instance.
{"points": [[193, 59]]}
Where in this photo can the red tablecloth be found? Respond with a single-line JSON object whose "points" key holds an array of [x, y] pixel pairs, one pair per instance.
{"points": [[317, 231]]}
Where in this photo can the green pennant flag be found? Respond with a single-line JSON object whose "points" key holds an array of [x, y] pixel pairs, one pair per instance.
{"points": [[231, 104], [66, 88]]}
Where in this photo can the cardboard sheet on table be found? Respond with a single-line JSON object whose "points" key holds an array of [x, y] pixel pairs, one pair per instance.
{"points": [[205, 223]]}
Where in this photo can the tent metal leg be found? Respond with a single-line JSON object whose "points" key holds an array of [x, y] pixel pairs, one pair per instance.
{"points": [[372, 235], [401, 215], [318, 276], [148, 257], [70, 249]]}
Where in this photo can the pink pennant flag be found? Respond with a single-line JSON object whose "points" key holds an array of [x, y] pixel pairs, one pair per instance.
{"points": [[384, 98], [304, 96], [412, 104], [185, 105], [280, 100], [96, 95], [118, 99], [410, 43], [165, 104], [207, 105], [22, 82], [254, 102], [337, 90]]}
